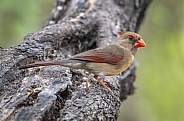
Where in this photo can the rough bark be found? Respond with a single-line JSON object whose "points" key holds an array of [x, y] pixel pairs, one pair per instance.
{"points": [[59, 93]]}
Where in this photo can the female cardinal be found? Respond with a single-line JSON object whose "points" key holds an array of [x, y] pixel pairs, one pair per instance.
{"points": [[107, 60]]}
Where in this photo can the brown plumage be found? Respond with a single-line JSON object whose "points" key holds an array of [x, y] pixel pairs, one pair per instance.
{"points": [[107, 60]]}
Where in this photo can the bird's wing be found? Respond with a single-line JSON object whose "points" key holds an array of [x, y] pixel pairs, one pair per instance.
{"points": [[111, 54]]}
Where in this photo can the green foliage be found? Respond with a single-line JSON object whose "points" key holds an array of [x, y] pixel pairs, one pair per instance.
{"points": [[20, 17]]}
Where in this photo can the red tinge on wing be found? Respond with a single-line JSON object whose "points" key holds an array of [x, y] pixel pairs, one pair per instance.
{"points": [[102, 57]]}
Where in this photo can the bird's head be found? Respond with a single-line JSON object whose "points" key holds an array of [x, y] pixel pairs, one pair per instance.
{"points": [[131, 40]]}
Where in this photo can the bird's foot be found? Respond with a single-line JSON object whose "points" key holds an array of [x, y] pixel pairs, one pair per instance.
{"points": [[107, 83], [110, 85], [101, 81]]}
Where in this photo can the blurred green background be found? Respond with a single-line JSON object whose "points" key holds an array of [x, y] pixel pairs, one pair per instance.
{"points": [[160, 75], [20, 17]]}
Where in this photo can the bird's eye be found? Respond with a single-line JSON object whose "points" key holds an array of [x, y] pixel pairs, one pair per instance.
{"points": [[130, 37]]}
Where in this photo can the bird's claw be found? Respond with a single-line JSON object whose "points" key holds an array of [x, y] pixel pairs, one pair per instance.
{"points": [[110, 85], [101, 81]]}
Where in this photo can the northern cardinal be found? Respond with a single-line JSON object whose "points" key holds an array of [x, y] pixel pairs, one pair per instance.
{"points": [[107, 60]]}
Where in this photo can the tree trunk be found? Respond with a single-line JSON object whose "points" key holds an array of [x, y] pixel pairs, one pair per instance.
{"points": [[60, 93]]}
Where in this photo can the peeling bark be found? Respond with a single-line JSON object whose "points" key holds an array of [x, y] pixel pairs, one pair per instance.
{"points": [[59, 93]]}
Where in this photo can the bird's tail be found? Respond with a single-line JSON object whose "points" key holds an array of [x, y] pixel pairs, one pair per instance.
{"points": [[37, 64]]}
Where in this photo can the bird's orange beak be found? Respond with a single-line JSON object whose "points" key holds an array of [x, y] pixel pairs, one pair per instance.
{"points": [[140, 43]]}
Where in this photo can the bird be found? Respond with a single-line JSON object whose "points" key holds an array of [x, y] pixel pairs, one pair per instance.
{"points": [[108, 60]]}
